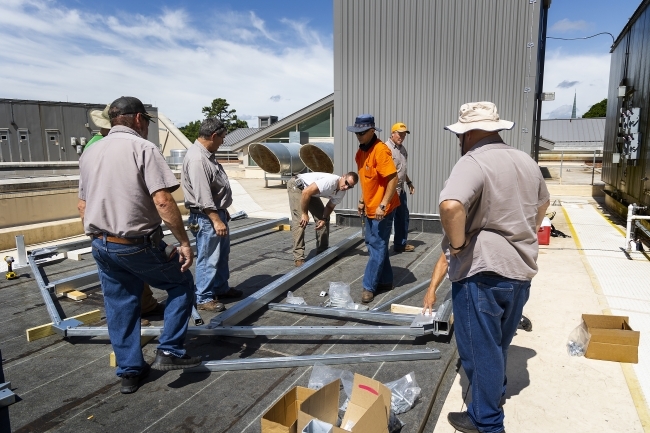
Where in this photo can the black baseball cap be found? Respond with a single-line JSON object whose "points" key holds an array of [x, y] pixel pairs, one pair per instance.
{"points": [[128, 105]]}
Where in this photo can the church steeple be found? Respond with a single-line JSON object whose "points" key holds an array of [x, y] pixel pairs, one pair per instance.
{"points": [[573, 112]]}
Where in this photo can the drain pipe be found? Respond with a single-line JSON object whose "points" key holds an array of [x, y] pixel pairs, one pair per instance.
{"points": [[631, 210]]}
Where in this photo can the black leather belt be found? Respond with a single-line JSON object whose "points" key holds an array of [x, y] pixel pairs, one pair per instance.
{"points": [[491, 274]]}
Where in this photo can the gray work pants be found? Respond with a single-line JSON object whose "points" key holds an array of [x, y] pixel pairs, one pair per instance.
{"points": [[316, 208]]}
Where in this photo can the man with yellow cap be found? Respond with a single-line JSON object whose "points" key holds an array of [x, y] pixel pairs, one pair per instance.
{"points": [[491, 208], [401, 221]]}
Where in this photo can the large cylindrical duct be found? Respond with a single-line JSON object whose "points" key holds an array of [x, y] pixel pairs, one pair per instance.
{"points": [[282, 158], [318, 156]]}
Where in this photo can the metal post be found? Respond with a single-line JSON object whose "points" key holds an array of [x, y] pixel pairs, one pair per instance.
{"points": [[343, 313], [259, 299], [628, 229], [21, 260], [310, 360], [410, 292], [593, 168], [561, 161]]}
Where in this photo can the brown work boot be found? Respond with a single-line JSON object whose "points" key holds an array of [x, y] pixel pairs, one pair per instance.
{"points": [[144, 322], [213, 305], [299, 263], [407, 248], [367, 296]]}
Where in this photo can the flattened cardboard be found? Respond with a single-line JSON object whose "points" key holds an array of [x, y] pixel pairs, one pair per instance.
{"points": [[282, 417], [367, 412], [612, 339]]}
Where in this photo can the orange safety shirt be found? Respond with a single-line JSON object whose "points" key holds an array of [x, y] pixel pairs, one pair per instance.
{"points": [[375, 165]]}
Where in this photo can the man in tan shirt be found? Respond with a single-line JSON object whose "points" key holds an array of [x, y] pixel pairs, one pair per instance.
{"points": [[491, 208]]}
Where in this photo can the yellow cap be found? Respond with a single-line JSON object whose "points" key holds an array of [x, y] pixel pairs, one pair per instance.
{"points": [[399, 127]]}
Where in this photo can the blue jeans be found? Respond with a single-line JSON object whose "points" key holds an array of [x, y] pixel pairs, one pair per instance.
{"points": [[212, 253], [487, 310], [378, 269], [122, 271], [401, 223]]}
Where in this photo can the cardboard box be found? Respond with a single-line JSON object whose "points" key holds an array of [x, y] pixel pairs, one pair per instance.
{"points": [[612, 339], [282, 417], [367, 412]]}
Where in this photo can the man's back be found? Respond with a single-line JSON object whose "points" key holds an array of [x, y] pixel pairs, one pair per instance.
{"points": [[501, 189]]}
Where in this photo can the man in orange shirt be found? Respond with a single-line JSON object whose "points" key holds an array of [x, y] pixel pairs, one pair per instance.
{"points": [[378, 181]]}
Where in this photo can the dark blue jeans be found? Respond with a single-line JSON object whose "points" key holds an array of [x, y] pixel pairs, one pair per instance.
{"points": [[378, 269], [401, 223], [122, 271], [212, 254], [487, 310]]}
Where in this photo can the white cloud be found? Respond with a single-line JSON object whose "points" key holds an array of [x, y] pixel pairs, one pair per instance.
{"points": [[566, 25], [591, 72], [48, 52]]}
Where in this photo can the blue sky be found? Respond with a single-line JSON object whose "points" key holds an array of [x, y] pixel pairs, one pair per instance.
{"points": [[264, 57]]}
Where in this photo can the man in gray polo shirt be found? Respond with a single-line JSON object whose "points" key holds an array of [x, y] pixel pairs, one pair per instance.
{"points": [[305, 192], [125, 191], [491, 208], [208, 196]]}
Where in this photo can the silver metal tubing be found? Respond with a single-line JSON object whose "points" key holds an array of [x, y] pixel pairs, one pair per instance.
{"points": [[256, 228], [259, 299], [45, 291], [196, 317], [444, 317], [342, 312], [329, 359], [410, 292], [254, 331], [72, 283], [21, 252]]}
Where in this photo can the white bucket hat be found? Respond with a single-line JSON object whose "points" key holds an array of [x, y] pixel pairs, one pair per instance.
{"points": [[100, 118], [479, 115]]}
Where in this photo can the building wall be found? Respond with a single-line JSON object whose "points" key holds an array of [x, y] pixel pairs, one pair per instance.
{"points": [[36, 131], [417, 61], [626, 181]]}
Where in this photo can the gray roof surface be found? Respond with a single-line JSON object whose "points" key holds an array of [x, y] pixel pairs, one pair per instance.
{"points": [[236, 136], [574, 134]]}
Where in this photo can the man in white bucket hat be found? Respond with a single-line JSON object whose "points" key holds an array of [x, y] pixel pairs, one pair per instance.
{"points": [[491, 208]]}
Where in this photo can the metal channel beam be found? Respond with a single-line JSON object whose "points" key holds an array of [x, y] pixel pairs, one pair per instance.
{"points": [[256, 228], [378, 316], [259, 299], [45, 291], [444, 317], [410, 292], [300, 361], [254, 331]]}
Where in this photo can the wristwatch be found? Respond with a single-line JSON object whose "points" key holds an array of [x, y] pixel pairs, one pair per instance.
{"points": [[382, 207]]}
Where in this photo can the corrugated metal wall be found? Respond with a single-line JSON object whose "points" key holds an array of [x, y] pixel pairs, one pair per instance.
{"points": [[622, 178], [42, 131], [417, 61]]}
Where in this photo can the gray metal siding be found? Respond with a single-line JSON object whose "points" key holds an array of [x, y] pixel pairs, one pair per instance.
{"points": [[626, 180], [417, 61]]}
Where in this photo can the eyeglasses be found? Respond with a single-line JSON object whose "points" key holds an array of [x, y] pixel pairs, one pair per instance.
{"points": [[348, 184], [359, 134]]}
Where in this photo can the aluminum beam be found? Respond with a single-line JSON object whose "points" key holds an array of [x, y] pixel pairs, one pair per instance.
{"points": [[300, 361], [254, 331], [259, 299], [73, 283], [444, 317], [410, 292], [45, 291], [378, 316]]}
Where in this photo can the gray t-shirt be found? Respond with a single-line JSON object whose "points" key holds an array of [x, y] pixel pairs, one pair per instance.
{"points": [[205, 182], [327, 185], [400, 155], [117, 176], [501, 189]]}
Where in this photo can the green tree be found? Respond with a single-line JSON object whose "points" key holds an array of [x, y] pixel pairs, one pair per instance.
{"points": [[599, 109], [191, 130], [219, 109]]}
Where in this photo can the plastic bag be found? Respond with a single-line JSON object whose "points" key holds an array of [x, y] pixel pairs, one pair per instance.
{"points": [[321, 375], [340, 295], [394, 424], [578, 340], [355, 306], [295, 300], [404, 392]]}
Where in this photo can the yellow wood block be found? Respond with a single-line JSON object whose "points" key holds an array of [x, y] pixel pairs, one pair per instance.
{"points": [[76, 295], [46, 330], [282, 227], [405, 309], [143, 341]]}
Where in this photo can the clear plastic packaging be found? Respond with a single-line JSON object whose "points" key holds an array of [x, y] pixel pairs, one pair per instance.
{"points": [[394, 424], [340, 295], [578, 340], [321, 375], [295, 300], [358, 307], [404, 392]]}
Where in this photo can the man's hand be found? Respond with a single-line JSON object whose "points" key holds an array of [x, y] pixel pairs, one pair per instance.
{"points": [[185, 257], [304, 220], [320, 224], [438, 274], [411, 189], [361, 209], [379, 213], [429, 299], [220, 228]]}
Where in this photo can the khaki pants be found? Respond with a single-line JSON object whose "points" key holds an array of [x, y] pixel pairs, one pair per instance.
{"points": [[316, 208], [148, 301]]}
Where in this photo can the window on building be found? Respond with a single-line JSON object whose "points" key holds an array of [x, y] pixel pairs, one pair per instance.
{"points": [[282, 135], [317, 126]]}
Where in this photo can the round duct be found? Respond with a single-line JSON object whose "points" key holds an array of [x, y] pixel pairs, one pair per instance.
{"points": [[176, 156], [318, 156], [283, 158]]}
